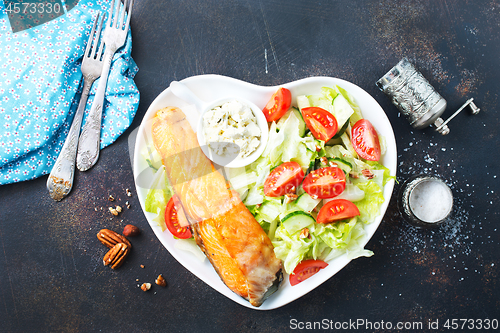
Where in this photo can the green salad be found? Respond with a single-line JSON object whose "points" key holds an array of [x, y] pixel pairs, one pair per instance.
{"points": [[285, 220], [306, 156]]}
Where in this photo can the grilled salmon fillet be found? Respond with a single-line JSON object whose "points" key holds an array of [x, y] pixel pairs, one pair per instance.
{"points": [[224, 229]]}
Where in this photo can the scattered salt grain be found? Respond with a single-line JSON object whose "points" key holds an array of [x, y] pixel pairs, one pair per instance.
{"points": [[429, 159]]}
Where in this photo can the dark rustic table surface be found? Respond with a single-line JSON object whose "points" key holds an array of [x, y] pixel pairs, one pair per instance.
{"points": [[51, 273]]}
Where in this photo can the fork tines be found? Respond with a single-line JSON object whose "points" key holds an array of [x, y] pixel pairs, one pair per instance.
{"points": [[95, 41], [119, 13]]}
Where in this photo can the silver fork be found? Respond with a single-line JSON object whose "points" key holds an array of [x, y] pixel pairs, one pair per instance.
{"points": [[60, 180], [114, 38]]}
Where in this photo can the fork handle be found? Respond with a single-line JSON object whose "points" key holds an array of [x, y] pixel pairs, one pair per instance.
{"points": [[89, 143], [60, 180]]}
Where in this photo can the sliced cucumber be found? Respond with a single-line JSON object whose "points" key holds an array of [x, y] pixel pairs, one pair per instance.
{"points": [[303, 102], [342, 110], [342, 164], [332, 161], [341, 130], [270, 210], [348, 145], [333, 142], [314, 165], [306, 203], [310, 168], [297, 221], [352, 193], [302, 124], [336, 139], [283, 119], [272, 229]]}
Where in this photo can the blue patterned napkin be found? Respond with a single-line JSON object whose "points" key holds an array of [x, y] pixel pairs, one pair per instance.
{"points": [[40, 87]]}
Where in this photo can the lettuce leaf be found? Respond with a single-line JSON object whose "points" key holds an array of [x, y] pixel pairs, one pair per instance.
{"points": [[370, 205], [292, 249], [336, 235], [158, 195], [152, 157], [387, 173], [325, 241]]}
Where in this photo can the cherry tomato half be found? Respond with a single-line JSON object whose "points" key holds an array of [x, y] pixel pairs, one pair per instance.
{"points": [[278, 105], [284, 179], [365, 140], [173, 221], [305, 270], [325, 183], [336, 210], [322, 124]]}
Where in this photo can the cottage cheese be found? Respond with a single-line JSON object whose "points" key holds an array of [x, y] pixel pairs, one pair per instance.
{"points": [[231, 129]]}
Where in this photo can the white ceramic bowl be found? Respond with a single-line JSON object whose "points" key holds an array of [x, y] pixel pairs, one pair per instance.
{"points": [[228, 161], [209, 87]]}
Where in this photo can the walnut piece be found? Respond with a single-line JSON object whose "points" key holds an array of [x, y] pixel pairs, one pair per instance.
{"points": [[160, 280], [368, 174], [289, 197], [305, 234]]}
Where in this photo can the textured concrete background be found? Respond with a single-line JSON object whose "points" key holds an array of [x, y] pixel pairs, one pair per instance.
{"points": [[51, 273]]}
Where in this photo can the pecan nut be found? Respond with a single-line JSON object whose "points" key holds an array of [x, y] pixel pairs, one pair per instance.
{"points": [[368, 174], [111, 238], [116, 256]]}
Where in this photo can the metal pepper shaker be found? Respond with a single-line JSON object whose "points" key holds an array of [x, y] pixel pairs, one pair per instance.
{"points": [[416, 98]]}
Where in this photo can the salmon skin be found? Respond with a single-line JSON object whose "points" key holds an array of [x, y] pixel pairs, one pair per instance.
{"points": [[225, 230]]}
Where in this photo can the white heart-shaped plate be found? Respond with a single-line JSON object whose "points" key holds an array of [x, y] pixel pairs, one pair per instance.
{"points": [[211, 87]]}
